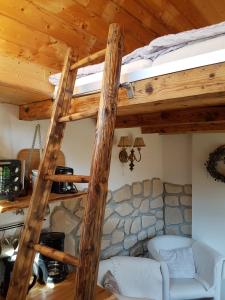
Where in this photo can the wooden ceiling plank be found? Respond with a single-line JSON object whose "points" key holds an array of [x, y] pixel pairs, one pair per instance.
{"points": [[77, 15], [168, 15], [30, 14], [190, 12], [185, 128], [213, 10], [111, 12], [41, 46], [137, 11]]}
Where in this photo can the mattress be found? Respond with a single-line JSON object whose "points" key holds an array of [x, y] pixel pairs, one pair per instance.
{"points": [[190, 56]]}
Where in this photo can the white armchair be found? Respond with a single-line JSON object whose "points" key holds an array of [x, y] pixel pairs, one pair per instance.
{"points": [[138, 278], [208, 264]]}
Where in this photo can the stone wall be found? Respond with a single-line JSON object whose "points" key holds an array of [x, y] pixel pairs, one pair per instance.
{"points": [[134, 213], [178, 209]]}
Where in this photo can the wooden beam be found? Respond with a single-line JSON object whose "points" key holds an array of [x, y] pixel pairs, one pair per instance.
{"points": [[91, 233], [181, 116], [203, 86], [185, 128], [54, 254], [18, 288]]}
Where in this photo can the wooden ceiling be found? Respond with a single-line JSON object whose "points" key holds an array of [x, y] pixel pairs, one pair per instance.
{"points": [[34, 34]]}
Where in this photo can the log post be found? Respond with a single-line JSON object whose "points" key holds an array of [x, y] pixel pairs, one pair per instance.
{"points": [[90, 241], [23, 266]]}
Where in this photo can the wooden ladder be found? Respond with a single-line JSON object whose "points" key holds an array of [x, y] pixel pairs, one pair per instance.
{"points": [[87, 262]]}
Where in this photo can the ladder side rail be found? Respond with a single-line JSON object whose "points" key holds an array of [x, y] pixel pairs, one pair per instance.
{"points": [[23, 266], [90, 242]]}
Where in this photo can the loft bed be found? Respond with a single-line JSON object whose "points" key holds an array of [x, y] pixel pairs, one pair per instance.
{"points": [[185, 82]]}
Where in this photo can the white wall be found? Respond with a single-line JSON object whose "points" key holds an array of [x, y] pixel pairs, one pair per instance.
{"points": [[208, 196], [176, 158], [77, 147]]}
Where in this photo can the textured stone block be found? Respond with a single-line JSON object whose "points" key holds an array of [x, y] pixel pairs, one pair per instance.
{"points": [[69, 244], [79, 213], [124, 209], [137, 188], [122, 194], [147, 187], [121, 224], [173, 230], [136, 225], [151, 232], [159, 214], [135, 213], [159, 225], [137, 250], [142, 235], [110, 225], [188, 189], [105, 244], [188, 215], [144, 208], [186, 229], [112, 251], [109, 196], [148, 221], [108, 212], [137, 202], [186, 200], [173, 188], [127, 225], [117, 236], [61, 220], [173, 215], [172, 200], [156, 203], [71, 205], [157, 187], [130, 241]]}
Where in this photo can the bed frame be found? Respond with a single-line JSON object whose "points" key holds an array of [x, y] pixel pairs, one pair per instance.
{"points": [[198, 91]]}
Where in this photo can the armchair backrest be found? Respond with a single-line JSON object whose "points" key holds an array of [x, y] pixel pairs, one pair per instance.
{"points": [[167, 242]]}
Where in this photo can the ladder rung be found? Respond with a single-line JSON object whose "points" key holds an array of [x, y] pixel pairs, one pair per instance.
{"points": [[78, 116], [68, 178], [57, 255], [87, 60]]}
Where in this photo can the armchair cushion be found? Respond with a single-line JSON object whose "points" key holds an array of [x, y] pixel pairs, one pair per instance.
{"points": [[180, 262]]}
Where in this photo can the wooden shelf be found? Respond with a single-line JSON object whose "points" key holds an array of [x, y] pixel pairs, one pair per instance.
{"points": [[23, 202]]}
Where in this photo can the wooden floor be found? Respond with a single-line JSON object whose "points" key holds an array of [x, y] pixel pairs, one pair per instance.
{"points": [[63, 291]]}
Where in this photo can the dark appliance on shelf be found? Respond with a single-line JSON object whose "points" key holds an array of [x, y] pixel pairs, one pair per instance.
{"points": [[10, 178], [46, 269], [63, 187]]}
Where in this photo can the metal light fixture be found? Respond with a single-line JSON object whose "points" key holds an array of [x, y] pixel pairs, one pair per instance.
{"points": [[124, 157]]}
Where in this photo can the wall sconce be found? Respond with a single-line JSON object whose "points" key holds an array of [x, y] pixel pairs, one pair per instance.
{"points": [[124, 157]]}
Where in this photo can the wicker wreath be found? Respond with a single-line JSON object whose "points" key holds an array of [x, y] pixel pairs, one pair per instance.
{"points": [[212, 163]]}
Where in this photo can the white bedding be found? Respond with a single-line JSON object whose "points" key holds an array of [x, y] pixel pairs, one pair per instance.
{"points": [[190, 56]]}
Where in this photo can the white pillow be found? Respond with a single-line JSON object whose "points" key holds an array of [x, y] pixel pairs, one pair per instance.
{"points": [[180, 262]]}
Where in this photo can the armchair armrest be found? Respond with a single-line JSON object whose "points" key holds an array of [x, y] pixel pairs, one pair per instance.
{"points": [[208, 264], [166, 280]]}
